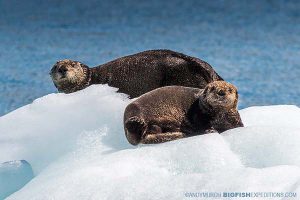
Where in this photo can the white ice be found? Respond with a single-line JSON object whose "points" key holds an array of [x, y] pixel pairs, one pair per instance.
{"points": [[77, 149]]}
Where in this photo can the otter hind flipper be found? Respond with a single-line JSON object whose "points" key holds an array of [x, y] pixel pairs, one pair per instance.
{"points": [[134, 127], [162, 137]]}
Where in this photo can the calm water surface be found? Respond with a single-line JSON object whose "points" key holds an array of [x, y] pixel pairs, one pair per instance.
{"points": [[253, 44]]}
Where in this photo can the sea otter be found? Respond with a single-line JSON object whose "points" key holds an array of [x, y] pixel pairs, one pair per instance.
{"points": [[174, 112], [135, 74]]}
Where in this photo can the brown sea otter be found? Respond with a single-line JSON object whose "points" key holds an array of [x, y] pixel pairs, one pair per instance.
{"points": [[135, 74], [174, 112]]}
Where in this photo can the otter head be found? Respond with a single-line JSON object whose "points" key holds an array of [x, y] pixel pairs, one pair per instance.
{"points": [[70, 76], [220, 95]]}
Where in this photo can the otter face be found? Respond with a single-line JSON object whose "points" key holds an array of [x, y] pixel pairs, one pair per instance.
{"points": [[221, 95], [67, 74]]}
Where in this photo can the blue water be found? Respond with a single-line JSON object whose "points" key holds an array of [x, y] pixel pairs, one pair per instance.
{"points": [[13, 176], [253, 44]]}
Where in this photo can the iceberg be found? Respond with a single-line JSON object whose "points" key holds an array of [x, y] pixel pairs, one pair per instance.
{"points": [[76, 146]]}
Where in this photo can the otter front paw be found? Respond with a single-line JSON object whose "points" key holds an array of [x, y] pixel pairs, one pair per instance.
{"points": [[211, 130]]}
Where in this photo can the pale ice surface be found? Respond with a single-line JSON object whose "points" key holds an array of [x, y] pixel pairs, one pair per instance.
{"points": [[77, 149]]}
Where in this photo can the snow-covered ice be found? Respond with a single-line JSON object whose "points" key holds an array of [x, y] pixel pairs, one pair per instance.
{"points": [[77, 149]]}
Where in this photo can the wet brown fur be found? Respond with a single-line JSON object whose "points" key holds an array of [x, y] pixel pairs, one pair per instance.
{"points": [[136, 74], [174, 112]]}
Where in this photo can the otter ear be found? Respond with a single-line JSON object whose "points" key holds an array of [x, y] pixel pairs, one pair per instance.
{"points": [[82, 65], [236, 98]]}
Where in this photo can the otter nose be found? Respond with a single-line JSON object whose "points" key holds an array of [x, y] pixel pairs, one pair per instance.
{"points": [[221, 92], [62, 70]]}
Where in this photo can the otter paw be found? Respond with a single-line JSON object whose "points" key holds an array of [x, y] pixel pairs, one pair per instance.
{"points": [[211, 130]]}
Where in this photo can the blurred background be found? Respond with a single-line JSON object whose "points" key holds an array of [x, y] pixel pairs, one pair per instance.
{"points": [[252, 44]]}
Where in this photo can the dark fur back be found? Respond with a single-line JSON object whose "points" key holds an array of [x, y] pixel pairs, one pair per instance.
{"points": [[203, 67], [140, 73]]}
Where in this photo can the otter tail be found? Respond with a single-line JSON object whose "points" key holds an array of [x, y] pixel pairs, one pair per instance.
{"points": [[134, 128]]}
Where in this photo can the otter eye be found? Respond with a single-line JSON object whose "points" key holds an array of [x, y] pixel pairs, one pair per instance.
{"points": [[221, 93], [230, 90], [212, 88]]}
